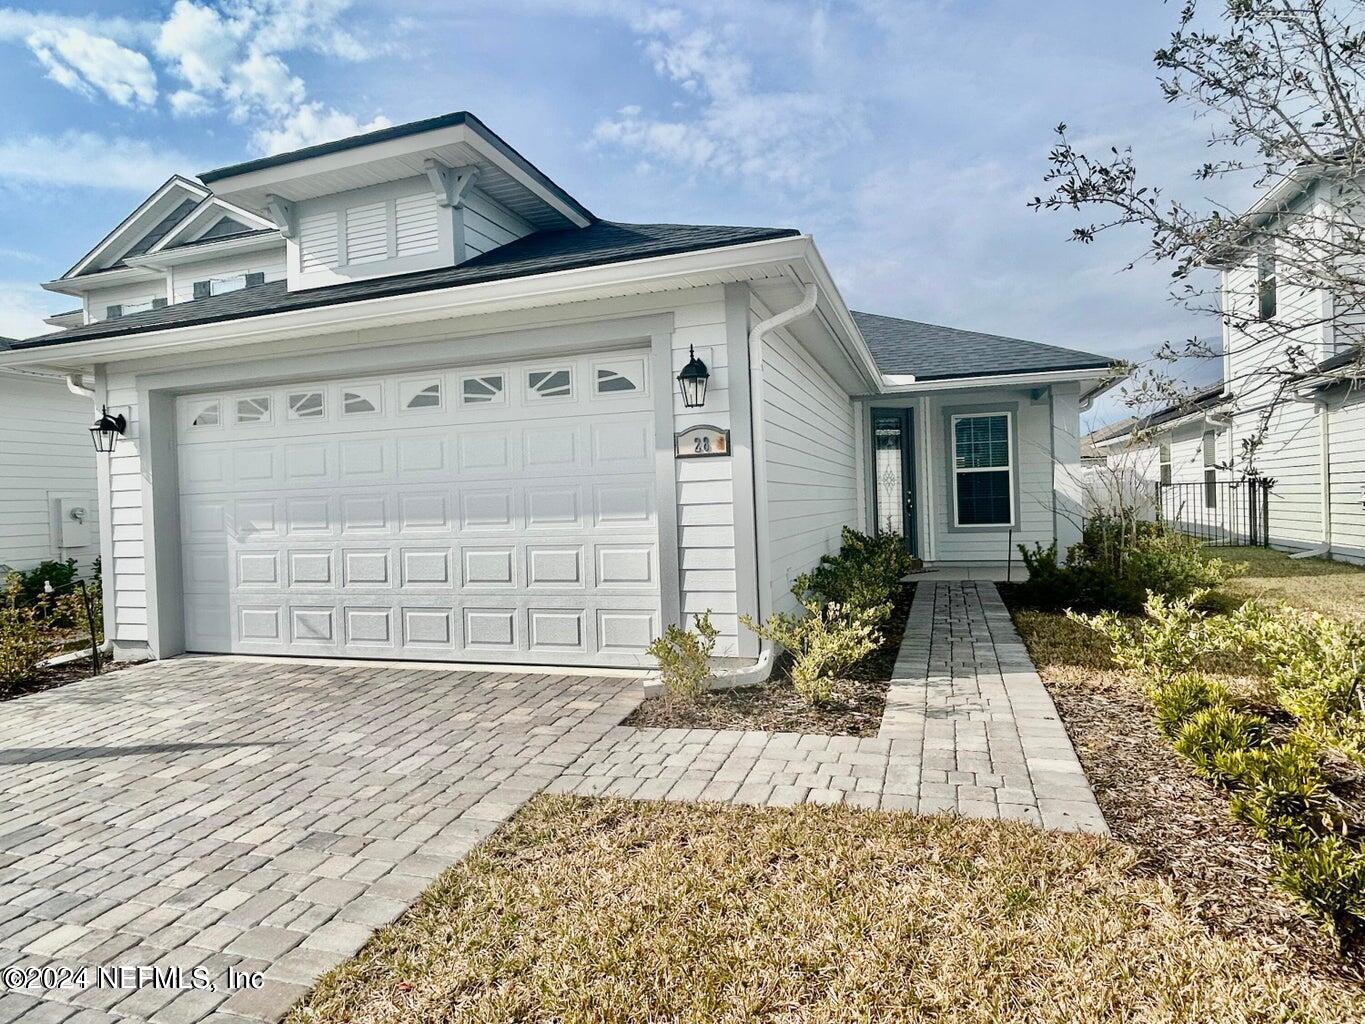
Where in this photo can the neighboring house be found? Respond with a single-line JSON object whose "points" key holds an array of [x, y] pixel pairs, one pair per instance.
{"points": [[48, 504], [402, 396], [1305, 424]]}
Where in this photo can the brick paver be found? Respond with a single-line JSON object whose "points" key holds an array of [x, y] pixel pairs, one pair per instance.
{"points": [[220, 815], [224, 814], [969, 729]]}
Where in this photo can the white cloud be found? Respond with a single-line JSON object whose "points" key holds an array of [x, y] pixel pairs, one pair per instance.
{"points": [[310, 124], [17, 25], [730, 125], [233, 52], [88, 160], [22, 308], [85, 63]]}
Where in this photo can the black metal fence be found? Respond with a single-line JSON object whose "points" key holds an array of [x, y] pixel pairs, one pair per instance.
{"points": [[1222, 513]]}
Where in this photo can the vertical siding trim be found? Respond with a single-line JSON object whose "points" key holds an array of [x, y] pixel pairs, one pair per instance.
{"points": [[161, 523], [106, 517], [665, 480], [747, 589]]}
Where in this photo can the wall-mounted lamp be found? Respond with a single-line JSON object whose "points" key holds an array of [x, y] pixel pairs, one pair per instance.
{"points": [[692, 381], [107, 429]]}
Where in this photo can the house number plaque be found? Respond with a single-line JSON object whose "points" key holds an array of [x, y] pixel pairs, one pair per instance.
{"points": [[701, 442]]}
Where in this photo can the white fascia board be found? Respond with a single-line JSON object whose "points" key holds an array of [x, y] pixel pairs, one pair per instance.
{"points": [[101, 279], [840, 319], [998, 380], [207, 250], [174, 182], [654, 274], [277, 179], [205, 217]]}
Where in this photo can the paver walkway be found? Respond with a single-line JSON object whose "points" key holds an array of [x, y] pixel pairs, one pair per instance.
{"points": [[968, 728], [214, 814], [206, 815]]}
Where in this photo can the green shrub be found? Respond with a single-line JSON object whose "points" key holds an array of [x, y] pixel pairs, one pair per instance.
{"points": [[1117, 565], [1282, 789], [862, 577], [684, 658], [25, 640], [1209, 738], [1328, 874], [28, 586], [1178, 699], [1316, 666], [823, 643], [1173, 638]]}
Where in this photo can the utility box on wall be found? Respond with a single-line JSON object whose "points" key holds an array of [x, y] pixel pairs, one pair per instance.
{"points": [[74, 516]]}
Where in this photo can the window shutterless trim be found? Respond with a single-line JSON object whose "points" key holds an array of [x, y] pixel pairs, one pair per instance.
{"points": [[1008, 468]]}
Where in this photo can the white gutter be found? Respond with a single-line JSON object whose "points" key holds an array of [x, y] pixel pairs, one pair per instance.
{"points": [[74, 385], [893, 385], [649, 274], [760, 670]]}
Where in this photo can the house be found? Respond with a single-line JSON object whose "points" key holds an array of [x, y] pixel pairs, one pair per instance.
{"points": [[48, 502], [1288, 408], [403, 396]]}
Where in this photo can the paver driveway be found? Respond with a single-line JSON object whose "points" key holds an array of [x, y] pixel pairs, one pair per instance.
{"points": [[217, 814]]}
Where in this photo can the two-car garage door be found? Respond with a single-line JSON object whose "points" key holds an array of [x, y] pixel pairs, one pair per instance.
{"points": [[493, 513]]}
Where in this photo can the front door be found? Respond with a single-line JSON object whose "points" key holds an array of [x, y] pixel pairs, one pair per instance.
{"points": [[893, 469]]}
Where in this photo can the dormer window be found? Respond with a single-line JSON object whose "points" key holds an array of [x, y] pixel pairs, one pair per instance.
{"points": [[1267, 301]]}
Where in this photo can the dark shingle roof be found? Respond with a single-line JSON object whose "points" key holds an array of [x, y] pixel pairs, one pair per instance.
{"points": [[1209, 397], [603, 242], [931, 352]]}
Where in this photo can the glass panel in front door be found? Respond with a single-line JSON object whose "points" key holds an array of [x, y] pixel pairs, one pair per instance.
{"points": [[888, 449]]}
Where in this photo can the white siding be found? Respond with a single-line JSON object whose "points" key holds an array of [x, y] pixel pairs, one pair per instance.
{"points": [[810, 462], [1291, 456], [140, 293], [126, 564], [488, 224], [367, 233], [1033, 476], [706, 512], [45, 454], [1347, 436], [270, 263]]}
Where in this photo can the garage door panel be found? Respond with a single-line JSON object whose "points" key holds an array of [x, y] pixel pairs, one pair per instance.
{"points": [[347, 521]]}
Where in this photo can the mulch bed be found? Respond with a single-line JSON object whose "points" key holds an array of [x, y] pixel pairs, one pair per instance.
{"points": [[59, 675], [855, 709], [1179, 824]]}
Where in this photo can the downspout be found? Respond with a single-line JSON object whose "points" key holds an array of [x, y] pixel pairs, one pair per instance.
{"points": [[74, 385], [761, 669]]}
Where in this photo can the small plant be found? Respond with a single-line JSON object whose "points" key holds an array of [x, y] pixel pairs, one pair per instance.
{"points": [[25, 640], [1182, 697], [1214, 735], [1118, 564], [823, 642], [1328, 874], [1170, 641], [862, 577], [1282, 790], [684, 658], [29, 586]]}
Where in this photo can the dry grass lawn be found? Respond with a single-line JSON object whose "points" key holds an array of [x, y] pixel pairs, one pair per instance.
{"points": [[1314, 584], [612, 911]]}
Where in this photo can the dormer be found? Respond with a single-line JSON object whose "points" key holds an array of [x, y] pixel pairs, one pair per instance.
{"points": [[416, 197]]}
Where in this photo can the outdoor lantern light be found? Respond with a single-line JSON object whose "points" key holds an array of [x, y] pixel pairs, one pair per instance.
{"points": [[692, 381], [107, 429]]}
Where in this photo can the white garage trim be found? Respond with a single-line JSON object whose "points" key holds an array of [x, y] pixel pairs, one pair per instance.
{"points": [[155, 435]]}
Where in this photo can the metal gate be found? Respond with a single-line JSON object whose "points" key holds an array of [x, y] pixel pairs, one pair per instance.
{"points": [[1221, 513]]}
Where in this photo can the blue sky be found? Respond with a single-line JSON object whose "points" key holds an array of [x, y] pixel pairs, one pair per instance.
{"points": [[906, 137]]}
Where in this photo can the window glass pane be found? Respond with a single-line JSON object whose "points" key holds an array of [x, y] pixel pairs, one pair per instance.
{"points": [[983, 498], [982, 442], [482, 389], [889, 461], [548, 383], [306, 404]]}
